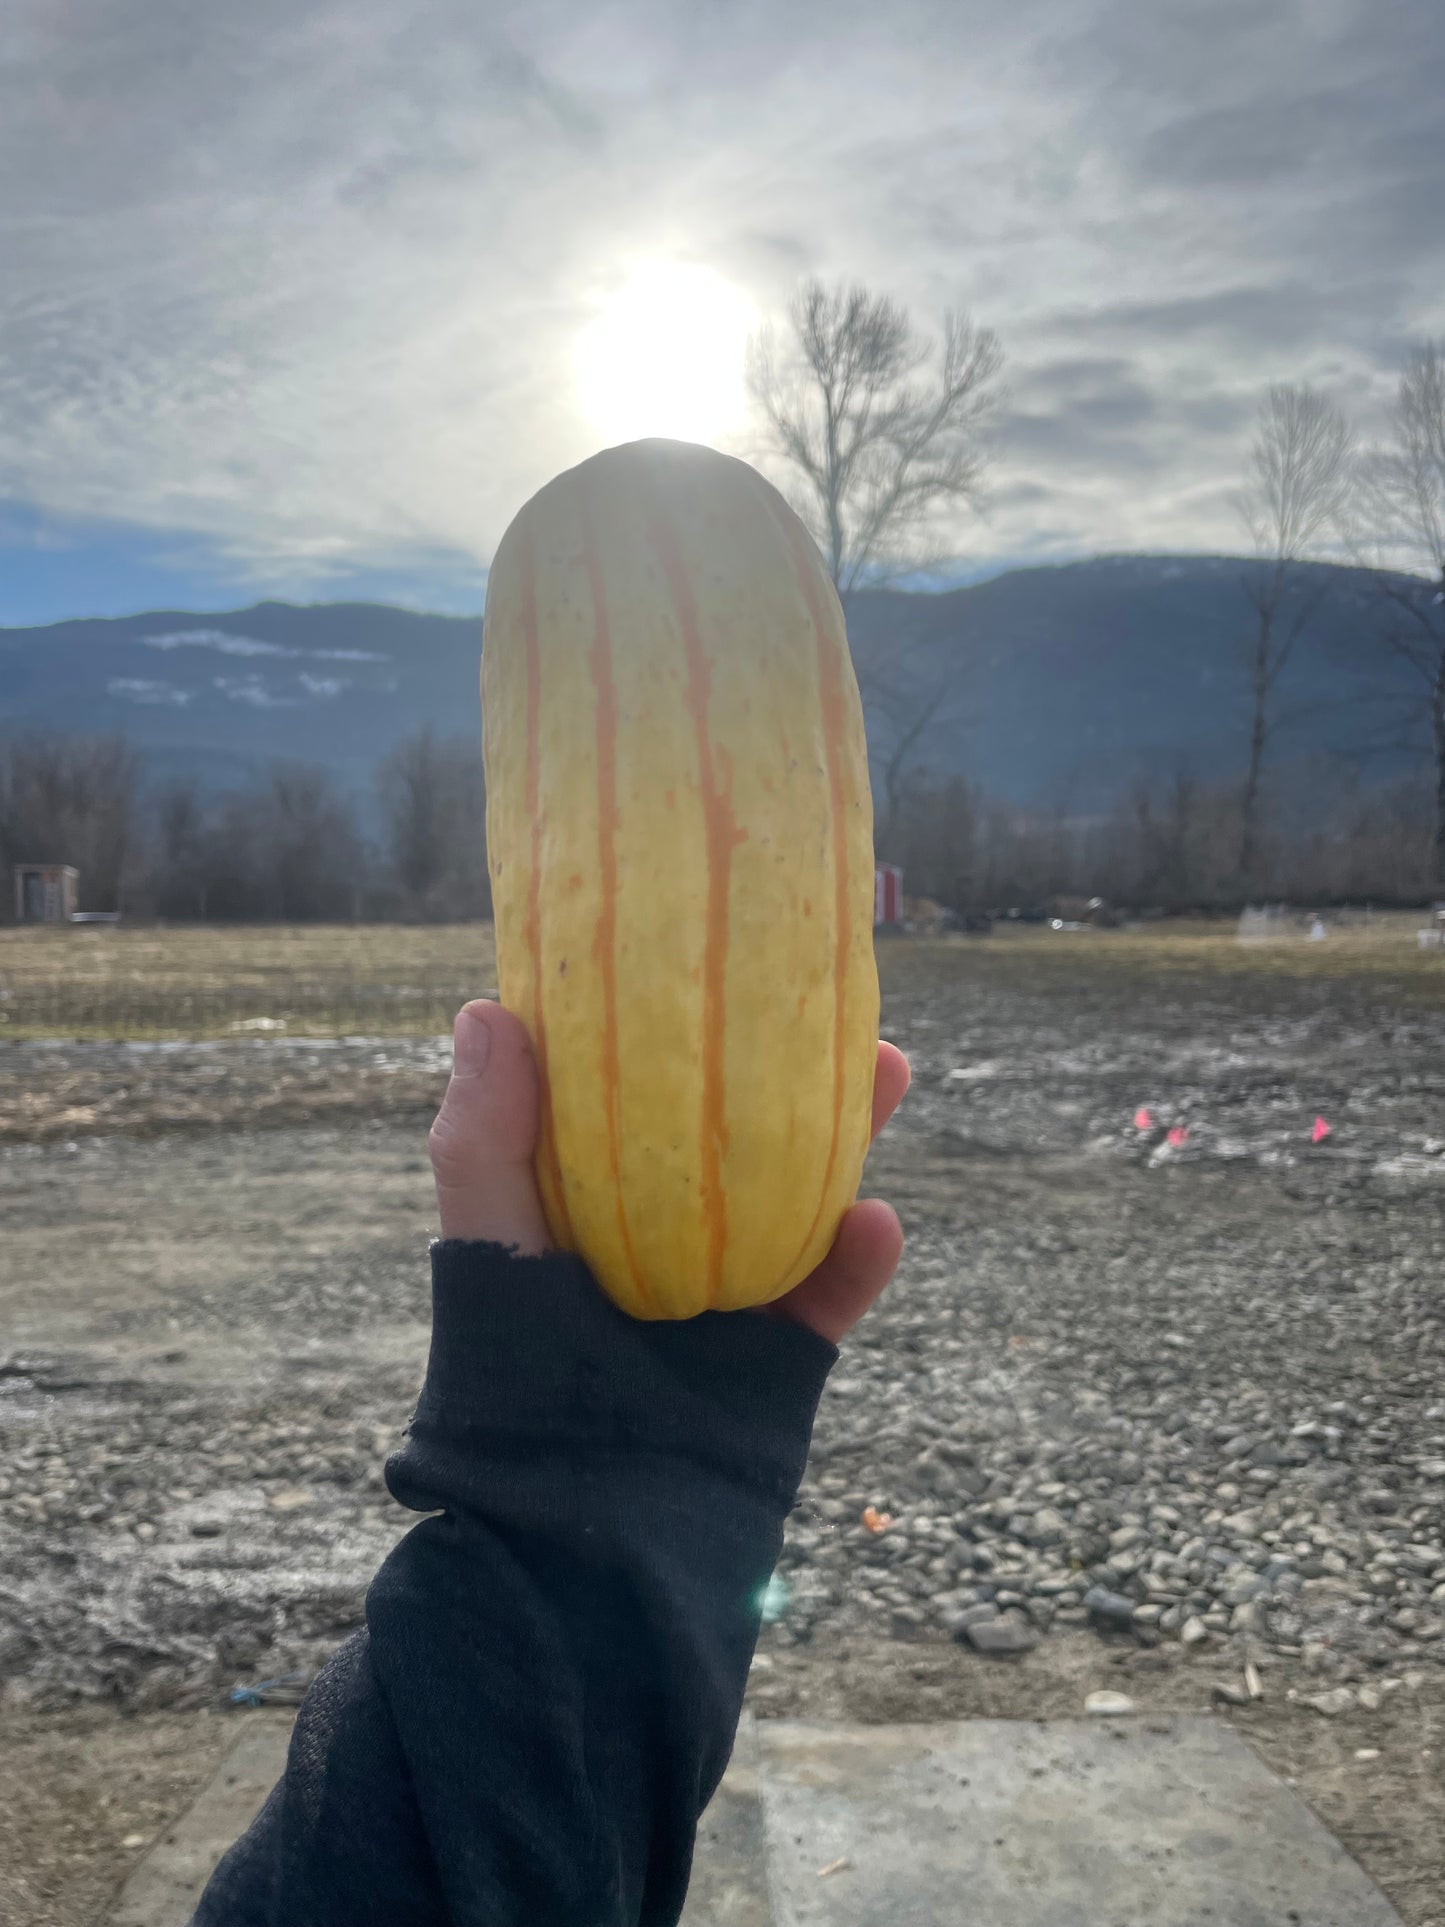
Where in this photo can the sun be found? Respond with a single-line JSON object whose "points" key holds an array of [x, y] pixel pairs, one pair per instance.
{"points": [[665, 356]]}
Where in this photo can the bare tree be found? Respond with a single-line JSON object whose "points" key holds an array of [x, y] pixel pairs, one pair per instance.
{"points": [[911, 702], [313, 854], [878, 451], [1400, 513], [1295, 490], [883, 437], [287, 850], [182, 857], [433, 805]]}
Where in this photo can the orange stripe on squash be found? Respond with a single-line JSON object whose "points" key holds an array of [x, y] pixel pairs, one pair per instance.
{"points": [[830, 695], [533, 937], [677, 797], [604, 943], [722, 835]]}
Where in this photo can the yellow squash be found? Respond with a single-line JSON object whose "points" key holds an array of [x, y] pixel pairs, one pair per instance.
{"points": [[680, 837]]}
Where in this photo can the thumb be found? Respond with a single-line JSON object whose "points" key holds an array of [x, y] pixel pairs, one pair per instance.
{"points": [[485, 1134]]}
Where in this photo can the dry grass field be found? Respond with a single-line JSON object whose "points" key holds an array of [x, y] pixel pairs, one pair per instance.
{"points": [[190, 981], [393, 980]]}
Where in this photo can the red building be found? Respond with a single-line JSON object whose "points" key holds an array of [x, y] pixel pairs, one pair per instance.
{"points": [[887, 894]]}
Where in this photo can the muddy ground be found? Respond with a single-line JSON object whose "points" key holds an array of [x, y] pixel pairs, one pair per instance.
{"points": [[211, 1334]]}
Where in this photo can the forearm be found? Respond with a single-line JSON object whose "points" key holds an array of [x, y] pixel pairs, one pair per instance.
{"points": [[548, 1687]]}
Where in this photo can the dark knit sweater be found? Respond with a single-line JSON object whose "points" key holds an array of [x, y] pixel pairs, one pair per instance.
{"points": [[545, 1693]]}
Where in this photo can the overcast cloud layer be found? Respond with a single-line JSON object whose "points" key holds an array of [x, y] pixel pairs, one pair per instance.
{"points": [[303, 278]]}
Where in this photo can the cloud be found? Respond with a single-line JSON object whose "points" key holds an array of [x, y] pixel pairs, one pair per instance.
{"points": [[324, 685], [307, 285]]}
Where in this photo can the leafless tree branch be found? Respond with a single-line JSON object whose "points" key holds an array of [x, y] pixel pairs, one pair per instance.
{"points": [[883, 433], [882, 436], [1295, 490], [1397, 515]]}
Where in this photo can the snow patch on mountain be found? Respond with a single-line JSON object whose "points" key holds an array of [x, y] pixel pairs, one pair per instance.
{"points": [[219, 640]]}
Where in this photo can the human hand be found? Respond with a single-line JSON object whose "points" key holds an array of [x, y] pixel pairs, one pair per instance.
{"points": [[485, 1134]]}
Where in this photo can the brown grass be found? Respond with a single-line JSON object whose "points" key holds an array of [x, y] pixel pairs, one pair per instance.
{"points": [[398, 980], [210, 981], [1380, 953]]}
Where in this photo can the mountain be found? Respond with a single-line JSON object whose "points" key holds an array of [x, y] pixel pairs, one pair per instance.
{"points": [[220, 696], [1068, 682], [1075, 681]]}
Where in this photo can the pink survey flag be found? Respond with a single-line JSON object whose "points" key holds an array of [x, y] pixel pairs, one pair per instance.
{"points": [[1179, 1135], [1320, 1132], [1143, 1118]]}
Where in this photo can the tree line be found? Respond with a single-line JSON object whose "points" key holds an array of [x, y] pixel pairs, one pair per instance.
{"points": [[294, 846], [1168, 844]]}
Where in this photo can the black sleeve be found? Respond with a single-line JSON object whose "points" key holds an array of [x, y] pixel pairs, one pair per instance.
{"points": [[546, 1690]]}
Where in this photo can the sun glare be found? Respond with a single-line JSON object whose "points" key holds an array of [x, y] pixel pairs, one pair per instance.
{"points": [[665, 357]]}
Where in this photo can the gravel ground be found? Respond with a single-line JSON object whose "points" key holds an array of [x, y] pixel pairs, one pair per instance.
{"points": [[1169, 1405], [1182, 1387]]}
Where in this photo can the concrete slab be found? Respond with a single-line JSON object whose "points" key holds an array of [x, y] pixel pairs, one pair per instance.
{"points": [[1131, 1822], [729, 1867], [164, 1889], [1140, 1822]]}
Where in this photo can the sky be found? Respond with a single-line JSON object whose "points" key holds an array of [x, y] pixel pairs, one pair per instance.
{"points": [[305, 299]]}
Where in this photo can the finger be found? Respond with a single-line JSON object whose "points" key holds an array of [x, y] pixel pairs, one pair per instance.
{"points": [[890, 1085], [864, 1256], [485, 1135]]}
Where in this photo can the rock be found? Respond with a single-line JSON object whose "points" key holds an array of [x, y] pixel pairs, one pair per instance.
{"points": [[957, 1622], [206, 1528], [1333, 1702], [1193, 1631], [1109, 1609], [1369, 1698], [1047, 1528], [1003, 1637], [1367, 1753], [1231, 1695], [1108, 1705]]}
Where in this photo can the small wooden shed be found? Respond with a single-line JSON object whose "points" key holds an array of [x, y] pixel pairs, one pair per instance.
{"points": [[45, 892]]}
